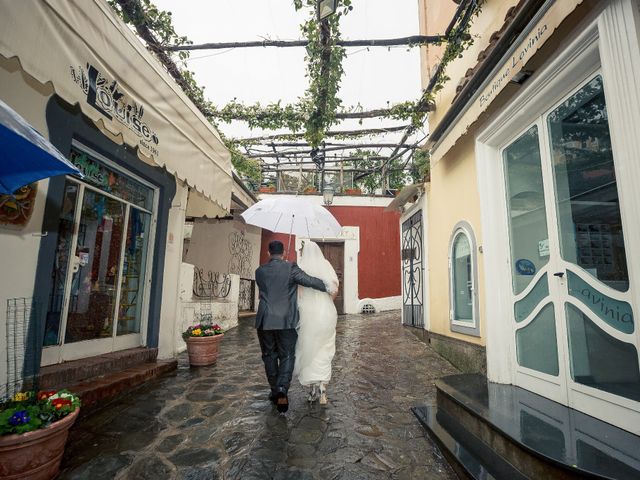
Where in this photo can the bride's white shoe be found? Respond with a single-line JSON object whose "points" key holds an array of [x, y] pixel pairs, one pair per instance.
{"points": [[323, 394]]}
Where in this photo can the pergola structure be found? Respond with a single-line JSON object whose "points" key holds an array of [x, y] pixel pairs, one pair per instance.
{"points": [[345, 158]]}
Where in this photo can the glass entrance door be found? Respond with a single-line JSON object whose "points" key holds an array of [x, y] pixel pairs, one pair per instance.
{"points": [[98, 297], [573, 319]]}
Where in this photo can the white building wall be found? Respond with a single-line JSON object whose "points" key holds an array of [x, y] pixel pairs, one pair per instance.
{"points": [[169, 316], [224, 312], [19, 245], [226, 246]]}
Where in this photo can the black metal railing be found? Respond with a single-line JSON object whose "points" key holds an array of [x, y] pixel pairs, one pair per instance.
{"points": [[210, 285]]}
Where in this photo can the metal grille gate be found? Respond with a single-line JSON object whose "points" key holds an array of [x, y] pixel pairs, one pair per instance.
{"points": [[247, 295], [412, 272]]}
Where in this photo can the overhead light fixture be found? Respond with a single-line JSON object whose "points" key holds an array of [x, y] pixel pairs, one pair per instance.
{"points": [[327, 195], [521, 77], [327, 8]]}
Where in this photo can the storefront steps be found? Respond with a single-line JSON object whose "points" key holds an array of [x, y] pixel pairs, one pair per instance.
{"points": [[491, 431], [99, 379]]}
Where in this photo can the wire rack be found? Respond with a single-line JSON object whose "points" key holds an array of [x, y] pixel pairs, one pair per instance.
{"points": [[22, 356]]}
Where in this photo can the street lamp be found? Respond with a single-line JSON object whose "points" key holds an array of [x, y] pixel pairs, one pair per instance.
{"points": [[327, 195], [326, 8]]}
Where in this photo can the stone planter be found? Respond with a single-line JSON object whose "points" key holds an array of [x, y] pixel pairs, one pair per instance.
{"points": [[203, 350], [35, 455]]}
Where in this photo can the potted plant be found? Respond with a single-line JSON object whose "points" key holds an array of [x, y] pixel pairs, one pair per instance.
{"points": [[310, 190], [353, 191], [267, 189], [203, 341], [33, 432]]}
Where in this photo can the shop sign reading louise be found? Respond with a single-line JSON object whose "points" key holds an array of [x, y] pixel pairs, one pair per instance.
{"points": [[107, 98]]}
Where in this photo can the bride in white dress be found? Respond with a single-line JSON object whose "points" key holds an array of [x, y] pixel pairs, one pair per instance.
{"points": [[316, 343]]}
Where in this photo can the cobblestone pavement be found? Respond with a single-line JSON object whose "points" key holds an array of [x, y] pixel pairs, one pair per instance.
{"points": [[217, 423]]}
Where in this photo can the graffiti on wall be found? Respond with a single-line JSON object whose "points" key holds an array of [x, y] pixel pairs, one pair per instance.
{"points": [[241, 253], [16, 209]]}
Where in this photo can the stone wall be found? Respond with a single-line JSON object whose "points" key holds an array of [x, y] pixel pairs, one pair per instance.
{"points": [[466, 357], [223, 311]]}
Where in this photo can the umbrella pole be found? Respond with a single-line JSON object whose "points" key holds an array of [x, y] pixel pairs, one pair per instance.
{"points": [[289, 242]]}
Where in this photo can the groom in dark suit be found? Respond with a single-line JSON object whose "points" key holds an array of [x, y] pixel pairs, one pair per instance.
{"points": [[277, 319]]}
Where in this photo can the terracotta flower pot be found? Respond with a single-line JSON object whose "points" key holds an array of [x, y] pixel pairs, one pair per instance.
{"points": [[35, 455], [203, 350]]}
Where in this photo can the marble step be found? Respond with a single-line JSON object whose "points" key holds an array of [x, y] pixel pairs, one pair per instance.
{"points": [[469, 457], [68, 373], [535, 436], [98, 391]]}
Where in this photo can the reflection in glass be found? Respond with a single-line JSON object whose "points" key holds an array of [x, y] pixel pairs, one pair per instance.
{"points": [[600, 361], [93, 290], [108, 180], [616, 313], [536, 344], [525, 201], [60, 264], [133, 272], [538, 293], [586, 190], [462, 279]]}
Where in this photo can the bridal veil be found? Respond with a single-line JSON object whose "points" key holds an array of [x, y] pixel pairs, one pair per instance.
{"points": [[316, 344]]}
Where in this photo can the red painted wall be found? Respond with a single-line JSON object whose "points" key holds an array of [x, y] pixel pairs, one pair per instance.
{"points": [[379, 259], [268, 236]]}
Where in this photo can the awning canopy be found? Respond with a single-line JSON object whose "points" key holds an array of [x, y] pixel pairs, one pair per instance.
{"points": [[406, 195], [95, 61], [445, 135]]}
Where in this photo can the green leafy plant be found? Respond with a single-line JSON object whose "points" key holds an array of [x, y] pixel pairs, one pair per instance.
{"points": [[320, 107], [29, 411], [420, 170]]}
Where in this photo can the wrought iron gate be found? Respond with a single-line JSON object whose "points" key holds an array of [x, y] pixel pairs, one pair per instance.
{"points": [[412, 272], [247, 294]]}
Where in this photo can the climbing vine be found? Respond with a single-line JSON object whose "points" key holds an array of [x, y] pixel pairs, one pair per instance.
{"points": [[368, 160], [324, 70], [160, 24], [320, 107]]}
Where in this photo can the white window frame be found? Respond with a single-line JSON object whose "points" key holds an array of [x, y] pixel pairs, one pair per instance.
{"points": [[473, 327]]}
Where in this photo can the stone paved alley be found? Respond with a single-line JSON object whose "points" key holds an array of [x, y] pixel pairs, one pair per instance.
{"points": [[217, 423]]}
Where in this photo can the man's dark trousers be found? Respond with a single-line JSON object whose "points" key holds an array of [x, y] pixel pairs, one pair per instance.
{"points": [[277, 318], [279, 355]]}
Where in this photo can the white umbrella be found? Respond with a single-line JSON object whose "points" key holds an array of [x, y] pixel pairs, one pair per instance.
{"points": [[293, 215]]}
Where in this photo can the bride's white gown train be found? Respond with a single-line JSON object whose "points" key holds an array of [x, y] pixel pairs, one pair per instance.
{"points": [[316, 344]]}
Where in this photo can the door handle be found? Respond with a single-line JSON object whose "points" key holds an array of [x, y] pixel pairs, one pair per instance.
{"points": [[75, 264], [559, 274]]}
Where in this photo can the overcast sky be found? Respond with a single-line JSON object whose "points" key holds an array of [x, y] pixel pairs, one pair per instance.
{"points": [[372, 78]]}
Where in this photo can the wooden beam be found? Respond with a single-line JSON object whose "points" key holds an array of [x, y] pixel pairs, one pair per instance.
{"points": [[383, 42], [132, 9], [343, 145], [307, 152], [366, 131]]}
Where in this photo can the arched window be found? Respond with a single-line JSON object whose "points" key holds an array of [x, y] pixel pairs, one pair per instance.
{"points": [[463, 280]]}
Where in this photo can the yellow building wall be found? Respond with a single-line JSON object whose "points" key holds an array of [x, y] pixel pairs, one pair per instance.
{"points": [[490, 20], [453, 197], [434, 17]]}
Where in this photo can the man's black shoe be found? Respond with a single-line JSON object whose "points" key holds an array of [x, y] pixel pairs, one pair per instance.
{"points": [[273, 398], [282, 402]]}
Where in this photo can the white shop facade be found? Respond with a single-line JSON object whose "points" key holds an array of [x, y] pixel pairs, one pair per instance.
{"points": [[557, 177], [91, 265]]}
